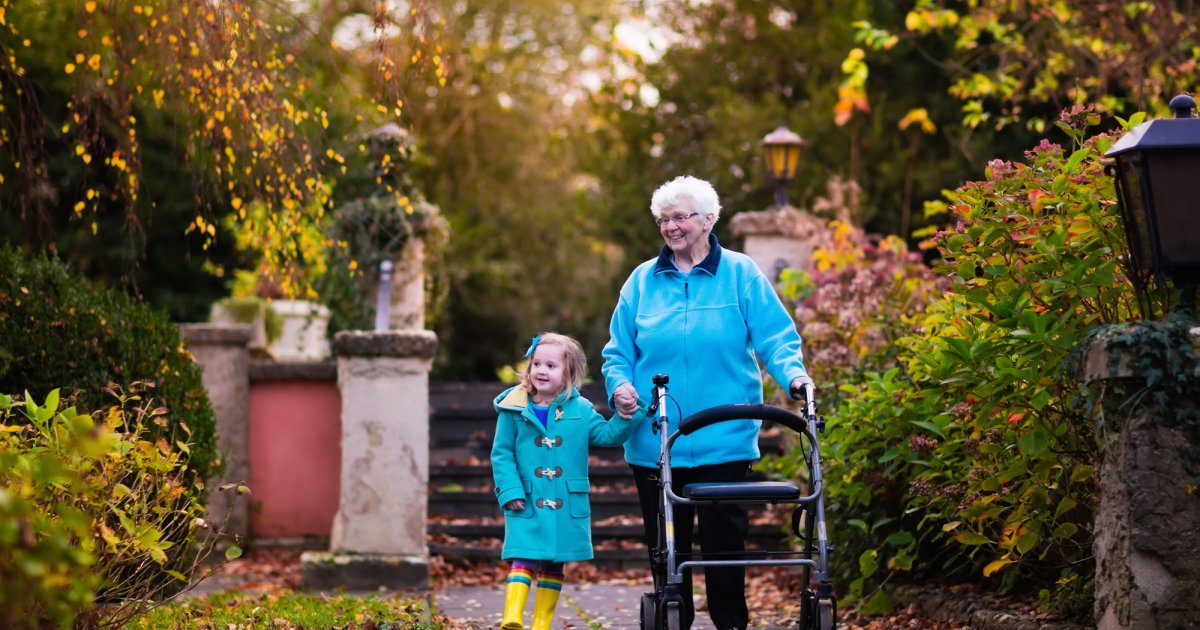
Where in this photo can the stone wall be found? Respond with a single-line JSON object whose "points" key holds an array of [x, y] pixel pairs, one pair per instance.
{"points": [[1147, 535]]}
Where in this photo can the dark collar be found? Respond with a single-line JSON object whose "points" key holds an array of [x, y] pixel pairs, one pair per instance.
{"points": [[709, 263]]}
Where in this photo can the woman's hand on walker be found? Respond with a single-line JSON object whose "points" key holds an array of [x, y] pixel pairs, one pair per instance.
{"points": [[516, 505], [796, 391], [626, 399]]}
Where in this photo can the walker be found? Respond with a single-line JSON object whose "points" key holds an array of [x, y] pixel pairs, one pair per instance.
{"points": [[660, 610]]}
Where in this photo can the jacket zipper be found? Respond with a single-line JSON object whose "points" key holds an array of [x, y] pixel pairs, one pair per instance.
{"points": [[687, 314]]}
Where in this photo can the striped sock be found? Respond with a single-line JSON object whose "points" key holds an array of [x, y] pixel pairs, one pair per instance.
{"points": [[550, 579], [521, 572]]}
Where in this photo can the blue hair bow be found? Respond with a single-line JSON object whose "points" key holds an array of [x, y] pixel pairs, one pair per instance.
{"points": [[532, 344]]}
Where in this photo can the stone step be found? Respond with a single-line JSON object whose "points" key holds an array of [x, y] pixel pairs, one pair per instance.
{"points": [[621, 558], [758, 532], [470, 503], [460, 439], [480, 475]]}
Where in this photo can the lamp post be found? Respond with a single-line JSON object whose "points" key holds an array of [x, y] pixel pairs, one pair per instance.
{"points": [[1156, 168], [781, 153]]}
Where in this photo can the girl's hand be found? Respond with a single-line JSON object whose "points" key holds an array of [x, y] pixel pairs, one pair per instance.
{"points": [[516, 505]]}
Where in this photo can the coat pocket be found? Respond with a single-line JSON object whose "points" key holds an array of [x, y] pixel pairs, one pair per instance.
{"points": [[527, 511], [578, 499]]}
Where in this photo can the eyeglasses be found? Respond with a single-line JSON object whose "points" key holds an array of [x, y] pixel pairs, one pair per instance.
{"points": [[663, 221]]}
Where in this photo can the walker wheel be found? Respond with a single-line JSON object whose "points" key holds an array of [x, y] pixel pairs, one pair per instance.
{"points": [[648, 612], [825, 614], [671, 617]]}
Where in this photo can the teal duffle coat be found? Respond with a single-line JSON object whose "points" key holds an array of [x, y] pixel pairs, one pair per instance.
{"points": [[548, 468]]}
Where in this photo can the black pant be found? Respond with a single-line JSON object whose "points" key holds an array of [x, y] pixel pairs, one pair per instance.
{"points": [[722, 529]]}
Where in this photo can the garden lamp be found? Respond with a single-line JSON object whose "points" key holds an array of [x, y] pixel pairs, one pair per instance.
{"points": [[781, 152], [1156, 168]]}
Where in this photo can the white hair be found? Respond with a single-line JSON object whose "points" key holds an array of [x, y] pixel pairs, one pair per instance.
{"points": [[699, 195]]}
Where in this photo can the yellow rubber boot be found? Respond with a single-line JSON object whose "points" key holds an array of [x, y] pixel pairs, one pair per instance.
{"points": [[545, 601], [515, 595]]}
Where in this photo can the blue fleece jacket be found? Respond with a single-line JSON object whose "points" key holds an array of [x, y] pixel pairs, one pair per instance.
{"points": [[706, 330]]}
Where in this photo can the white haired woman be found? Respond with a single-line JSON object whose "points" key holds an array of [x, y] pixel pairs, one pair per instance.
{"points": [[705, 316]]}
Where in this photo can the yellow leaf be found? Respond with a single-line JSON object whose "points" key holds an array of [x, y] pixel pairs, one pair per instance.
{"points": [[108, 536], [995, 565]]}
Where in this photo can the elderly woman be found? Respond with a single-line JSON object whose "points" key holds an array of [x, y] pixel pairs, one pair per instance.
{"points": [[704, 316]]}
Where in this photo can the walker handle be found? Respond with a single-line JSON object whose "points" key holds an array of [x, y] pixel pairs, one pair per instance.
{"points": [[807, 394], [702, 419]]}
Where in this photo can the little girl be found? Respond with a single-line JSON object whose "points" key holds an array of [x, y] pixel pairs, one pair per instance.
{"points": [[540, 466]]}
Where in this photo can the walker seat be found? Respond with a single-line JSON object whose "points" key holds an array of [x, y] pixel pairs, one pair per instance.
{"points": [[770, 491]]}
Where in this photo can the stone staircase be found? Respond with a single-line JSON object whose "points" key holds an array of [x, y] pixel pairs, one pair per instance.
{"points": [[465, 523]]}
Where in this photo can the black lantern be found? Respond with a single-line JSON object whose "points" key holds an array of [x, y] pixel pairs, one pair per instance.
{"points": [[781, 152], [1157, 173]]}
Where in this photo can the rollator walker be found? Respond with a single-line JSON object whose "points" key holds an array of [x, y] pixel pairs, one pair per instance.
{"points": [[660, 610]]}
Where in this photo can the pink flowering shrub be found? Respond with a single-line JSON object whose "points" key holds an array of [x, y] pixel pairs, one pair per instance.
{"points": [[959, 451], [863, 295]]}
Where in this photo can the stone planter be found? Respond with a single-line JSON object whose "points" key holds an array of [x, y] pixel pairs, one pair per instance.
{"points": [[303, 332], [251, 311]]}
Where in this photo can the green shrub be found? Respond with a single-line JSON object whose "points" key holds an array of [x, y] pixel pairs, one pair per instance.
{"points": [[294, 610], [56, 330], [93, 510], [863, 295], [45, 573], [968, 458], [1072, 597]]}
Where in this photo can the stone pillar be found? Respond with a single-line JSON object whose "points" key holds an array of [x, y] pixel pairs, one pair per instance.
{"points": [[779, 238], [1147, 541], [378, 536], [408, 288], [222, 354]]}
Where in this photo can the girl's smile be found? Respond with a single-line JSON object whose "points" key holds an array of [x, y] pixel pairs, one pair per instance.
{"points": [[547, 370]]}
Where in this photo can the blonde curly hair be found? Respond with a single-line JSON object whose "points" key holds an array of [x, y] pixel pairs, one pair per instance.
{"points": [[574, 361]]}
